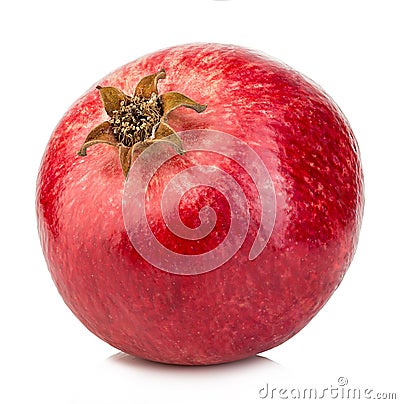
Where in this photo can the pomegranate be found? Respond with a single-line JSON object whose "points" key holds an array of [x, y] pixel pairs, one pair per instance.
{"points": [[200, 205]]}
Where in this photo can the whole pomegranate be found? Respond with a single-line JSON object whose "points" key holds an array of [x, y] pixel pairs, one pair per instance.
{"points": [[200, 204]]}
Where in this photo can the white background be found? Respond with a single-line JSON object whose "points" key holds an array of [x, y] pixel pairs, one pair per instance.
{"points": [[51, 52]]}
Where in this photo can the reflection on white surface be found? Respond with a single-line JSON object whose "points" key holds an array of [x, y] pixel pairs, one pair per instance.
{"points": [[126, 379], [231, 382], [133, 362]]}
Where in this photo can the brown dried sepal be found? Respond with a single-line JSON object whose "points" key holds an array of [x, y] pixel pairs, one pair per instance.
{"points": [[138, 121]]}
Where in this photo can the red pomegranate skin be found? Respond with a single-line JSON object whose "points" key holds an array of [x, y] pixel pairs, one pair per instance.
{"points": [[242, 307]]}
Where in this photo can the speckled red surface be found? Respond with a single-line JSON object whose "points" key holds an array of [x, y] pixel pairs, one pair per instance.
{"points": [[243, 307]]}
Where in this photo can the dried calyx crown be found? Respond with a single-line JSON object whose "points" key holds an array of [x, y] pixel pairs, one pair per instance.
{"points": [[138, 121]]}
